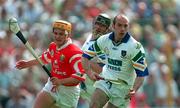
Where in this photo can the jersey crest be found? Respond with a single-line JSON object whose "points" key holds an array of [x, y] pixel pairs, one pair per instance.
{"points": [[52, 52], [62, 57], [123, 53], [106, 50]]}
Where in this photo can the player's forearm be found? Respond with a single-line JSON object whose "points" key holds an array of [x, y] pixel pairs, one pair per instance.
{"points": [[32, 62], [69, 81], [86, 65], [95, 67], [138, 82]]}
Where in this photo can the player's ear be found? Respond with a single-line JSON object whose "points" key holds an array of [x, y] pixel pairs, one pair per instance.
{"points": [[68, 34], [113, 26], [114, 22]]}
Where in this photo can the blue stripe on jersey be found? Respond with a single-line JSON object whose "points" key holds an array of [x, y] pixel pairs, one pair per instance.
{"points": [[101, 64], [102, 56], [91, 48], [142, 74], [87, 56]]}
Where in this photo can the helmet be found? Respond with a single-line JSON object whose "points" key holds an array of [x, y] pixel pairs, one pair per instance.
{"points": [[60, 24], [103, 19]]}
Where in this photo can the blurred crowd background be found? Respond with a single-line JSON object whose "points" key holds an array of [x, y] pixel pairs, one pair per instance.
{"points": [[155, 23]]}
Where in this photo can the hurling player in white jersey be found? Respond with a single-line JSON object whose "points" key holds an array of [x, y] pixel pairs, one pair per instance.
{"points": [[124, 70], [101, 25]]}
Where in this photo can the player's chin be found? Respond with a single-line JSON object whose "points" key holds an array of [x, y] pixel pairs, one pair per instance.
{"points": [[98, 32], [59, 42], [121, 34]]}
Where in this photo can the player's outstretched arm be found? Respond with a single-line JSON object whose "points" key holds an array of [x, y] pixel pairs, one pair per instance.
{"points": [[21, 64]]}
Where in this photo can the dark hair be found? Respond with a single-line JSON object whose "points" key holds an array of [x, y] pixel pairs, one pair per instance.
{"points": [[114, 20]]}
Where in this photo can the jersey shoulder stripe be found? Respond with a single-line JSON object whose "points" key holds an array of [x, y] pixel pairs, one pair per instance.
{"points": [[139, 55]]}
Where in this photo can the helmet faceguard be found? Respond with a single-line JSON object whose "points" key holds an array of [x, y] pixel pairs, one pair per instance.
{"points": [[60, 24], [103, 19]]}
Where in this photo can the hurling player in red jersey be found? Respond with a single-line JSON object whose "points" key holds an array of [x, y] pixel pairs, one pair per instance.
{"points": [[62, 89]]}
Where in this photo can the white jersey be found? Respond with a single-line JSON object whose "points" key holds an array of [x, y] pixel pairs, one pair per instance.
{"points": [[123, 59], [98, 58]]}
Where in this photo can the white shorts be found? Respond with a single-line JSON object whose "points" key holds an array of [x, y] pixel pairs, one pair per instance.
{"points": [[115, 92], [66, 96]]}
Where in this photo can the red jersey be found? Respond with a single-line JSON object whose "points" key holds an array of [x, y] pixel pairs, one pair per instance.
{"points": [[65, 61]]}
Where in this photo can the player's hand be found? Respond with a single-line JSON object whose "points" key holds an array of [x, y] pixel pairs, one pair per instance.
{"points": [[54, 88], [94, 76], [21, 64], [55, 81], [130, 94]]}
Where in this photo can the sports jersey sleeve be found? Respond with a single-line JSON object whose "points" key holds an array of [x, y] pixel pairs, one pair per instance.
{"points": [[139, 60], [48, 54], [86, 43], [93, 50], [75, 63]]}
